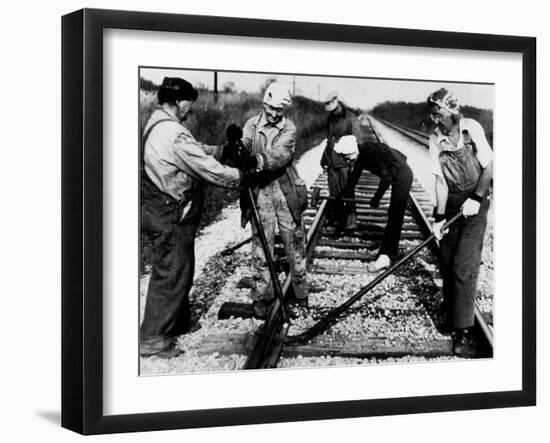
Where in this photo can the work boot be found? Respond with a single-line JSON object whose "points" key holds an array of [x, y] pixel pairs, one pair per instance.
{"points": [[170, 350], [151, 346], [463, 343], [245, 282], [314, 288], [299, 302], [381, 263], [261, 308], [331, 229]]}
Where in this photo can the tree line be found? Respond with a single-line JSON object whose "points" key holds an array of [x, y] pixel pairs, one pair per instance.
{"points": [[414, 115]]}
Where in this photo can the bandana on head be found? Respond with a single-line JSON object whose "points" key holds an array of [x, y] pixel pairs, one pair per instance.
{"points": [[444, 99], [347, 145]]}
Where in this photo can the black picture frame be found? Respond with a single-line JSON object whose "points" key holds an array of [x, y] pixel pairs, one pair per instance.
{"points": [[82, 219]]}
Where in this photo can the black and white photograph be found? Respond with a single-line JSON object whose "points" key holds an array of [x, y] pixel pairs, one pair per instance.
{"points": [[296, 221], [277, 222], [290, 219]]}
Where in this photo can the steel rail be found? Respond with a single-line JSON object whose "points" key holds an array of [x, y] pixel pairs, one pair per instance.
{"points": [[410, 133]]}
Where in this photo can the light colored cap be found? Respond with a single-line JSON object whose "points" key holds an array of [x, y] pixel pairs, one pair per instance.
{"points": [[346, 145], [331, 96], [331, 101], [277, 95]]}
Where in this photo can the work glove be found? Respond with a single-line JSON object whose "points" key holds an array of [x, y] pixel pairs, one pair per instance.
{"points": [[233, 133], [233, 148], [247, 180], [248, 162], [232, 152], [470, 207], [437, 227]]}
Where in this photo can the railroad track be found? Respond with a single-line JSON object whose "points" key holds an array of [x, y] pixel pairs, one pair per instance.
{"points": [[417, 136], [398, 318]]}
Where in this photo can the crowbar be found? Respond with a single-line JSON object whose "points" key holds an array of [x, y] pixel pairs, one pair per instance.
{"points": [[323, 324], [268, 257]]}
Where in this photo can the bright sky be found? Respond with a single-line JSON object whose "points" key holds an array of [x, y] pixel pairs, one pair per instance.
{"points": [[356, 92]]}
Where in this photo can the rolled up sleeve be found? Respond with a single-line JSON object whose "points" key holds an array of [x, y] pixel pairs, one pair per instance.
{"points": [[484, 152]]}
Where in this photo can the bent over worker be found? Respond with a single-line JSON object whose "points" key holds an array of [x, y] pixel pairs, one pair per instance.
{"points": [[176, 167], [281, 196], [340, 122], [462, 163], [390, 165]]}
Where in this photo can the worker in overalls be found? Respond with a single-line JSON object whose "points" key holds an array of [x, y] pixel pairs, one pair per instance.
{"points": [[462, 162], [341, 122], [176, 168], [269, 138], [390, 165]]}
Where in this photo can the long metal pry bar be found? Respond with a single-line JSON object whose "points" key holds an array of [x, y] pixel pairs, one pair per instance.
{"points": [[323, 324], [268, 257]]}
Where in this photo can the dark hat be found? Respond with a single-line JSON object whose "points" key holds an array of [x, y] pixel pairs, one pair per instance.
{"points": [[178, 89]]}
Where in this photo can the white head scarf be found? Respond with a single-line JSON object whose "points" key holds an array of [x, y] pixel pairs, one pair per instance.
{"points": [[347, 145]]}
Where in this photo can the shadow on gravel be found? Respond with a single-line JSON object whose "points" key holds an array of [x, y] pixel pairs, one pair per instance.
{"points": [[420, 273], [208, 285]]}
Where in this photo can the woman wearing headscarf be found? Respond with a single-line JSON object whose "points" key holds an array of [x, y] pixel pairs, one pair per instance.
{"points": [[462, 162]]}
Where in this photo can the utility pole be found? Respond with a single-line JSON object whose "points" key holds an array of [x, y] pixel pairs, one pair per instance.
{"points": [[293, 86], [215, 86], [319, 92]]}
